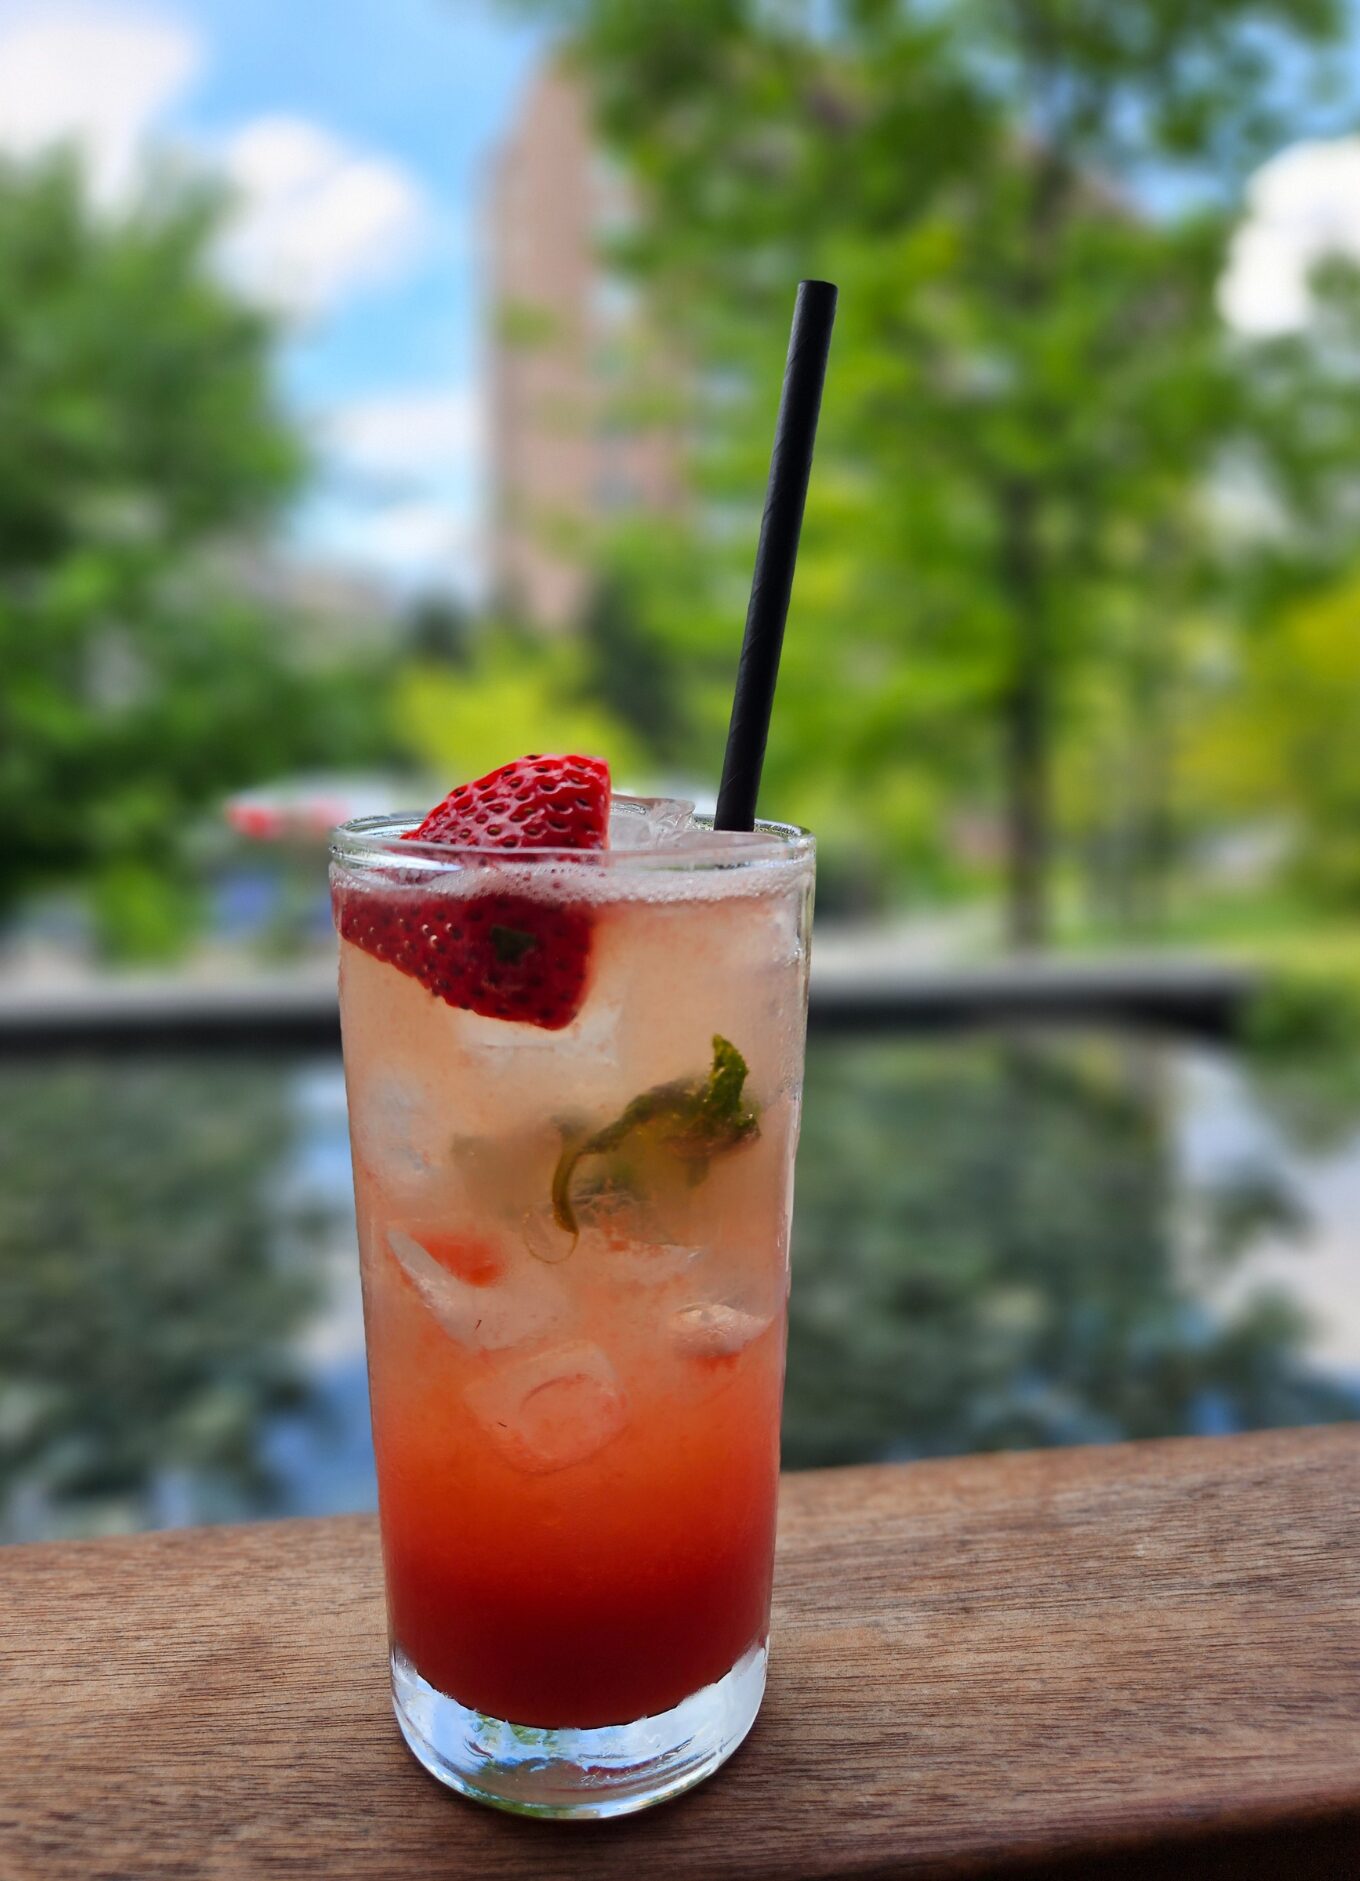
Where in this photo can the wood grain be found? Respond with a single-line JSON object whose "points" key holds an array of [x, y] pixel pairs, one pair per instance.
{"points": [[977, 1664]]}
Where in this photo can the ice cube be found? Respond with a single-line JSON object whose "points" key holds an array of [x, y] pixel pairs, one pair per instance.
{"points": [[712, 1329], [387, 1118], [644, 822], [622, 1235], [511, 1078], [552, 1409], [643, 1263], [715, 841], [498, 1041], [520, 1306]]}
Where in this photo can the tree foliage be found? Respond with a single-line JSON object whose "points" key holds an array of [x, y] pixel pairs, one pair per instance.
{"points": [[139, 433], [513, 694], [1026, 205], [1283, 741]]}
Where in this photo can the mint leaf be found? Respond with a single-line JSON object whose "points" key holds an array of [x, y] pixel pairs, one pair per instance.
{"points": [[689, 1118], [720, 1102]]}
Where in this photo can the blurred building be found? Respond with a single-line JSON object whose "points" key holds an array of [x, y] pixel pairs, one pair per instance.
{"points": [[569, 360]]}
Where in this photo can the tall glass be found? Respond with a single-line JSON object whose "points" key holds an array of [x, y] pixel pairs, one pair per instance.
{"points": [[575, 1262]]}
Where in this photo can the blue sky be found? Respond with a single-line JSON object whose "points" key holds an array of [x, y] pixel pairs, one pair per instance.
{"points": [[429, 83], [356, 134]]}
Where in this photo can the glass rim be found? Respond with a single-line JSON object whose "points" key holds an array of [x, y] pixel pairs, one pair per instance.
{"points": [[368, 841]]}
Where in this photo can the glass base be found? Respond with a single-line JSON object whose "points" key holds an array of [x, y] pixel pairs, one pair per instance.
{"points": [[611, 1771]]}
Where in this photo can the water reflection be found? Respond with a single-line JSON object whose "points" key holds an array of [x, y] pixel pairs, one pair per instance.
{"points": [[999, 1242], [1007, 1242], [158, 1262]]}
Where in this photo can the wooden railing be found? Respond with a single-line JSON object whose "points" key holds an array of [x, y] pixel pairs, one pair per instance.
{"points": [[1132, 1661]]}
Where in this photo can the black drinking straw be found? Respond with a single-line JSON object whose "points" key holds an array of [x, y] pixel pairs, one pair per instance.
{"points": [[795, 431]]}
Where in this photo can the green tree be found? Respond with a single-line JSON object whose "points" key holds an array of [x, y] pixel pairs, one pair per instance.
{"points": [[515, 694], [439, 629], [1282, 740], [139, 437], [1031, 389], [633, 674]]}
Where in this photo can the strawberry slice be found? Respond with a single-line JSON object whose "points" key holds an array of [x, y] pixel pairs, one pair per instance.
{"points": [[470, 1258], [504, 955], [532, 803]]}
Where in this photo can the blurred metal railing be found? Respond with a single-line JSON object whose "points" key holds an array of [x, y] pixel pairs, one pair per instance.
{"points": [[295, 1012]]}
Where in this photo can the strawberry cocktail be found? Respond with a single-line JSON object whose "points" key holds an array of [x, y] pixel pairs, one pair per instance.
{"points": [[573, 1031]]}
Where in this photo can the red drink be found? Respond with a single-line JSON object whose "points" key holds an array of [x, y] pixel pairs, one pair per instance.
{"points": [[575, 1257]]}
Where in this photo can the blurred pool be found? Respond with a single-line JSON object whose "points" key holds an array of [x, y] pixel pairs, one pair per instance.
{"points": [[1000, 1242]]}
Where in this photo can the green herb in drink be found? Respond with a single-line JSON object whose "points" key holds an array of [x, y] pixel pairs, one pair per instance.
{"points": [[690, 1119]]}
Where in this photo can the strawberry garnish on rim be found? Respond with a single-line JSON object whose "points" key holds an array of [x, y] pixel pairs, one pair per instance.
{"points": [[532, 803], [498, 953]]}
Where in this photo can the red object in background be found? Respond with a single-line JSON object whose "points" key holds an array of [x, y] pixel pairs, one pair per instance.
{"points": [[255, 820], [308, 809]]}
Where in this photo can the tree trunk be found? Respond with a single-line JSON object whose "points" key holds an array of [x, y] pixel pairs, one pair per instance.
{"points": [[1025, 731]]}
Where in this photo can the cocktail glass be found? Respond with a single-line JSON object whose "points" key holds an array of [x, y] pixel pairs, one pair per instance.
{"points": [[574, 1246]]}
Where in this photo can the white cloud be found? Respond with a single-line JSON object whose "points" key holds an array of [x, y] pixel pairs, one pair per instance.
{"points": [[405, 533], [421, 543], [417, 523], [317, 218], [1303, 206], [406, 433], [95, 76]]}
